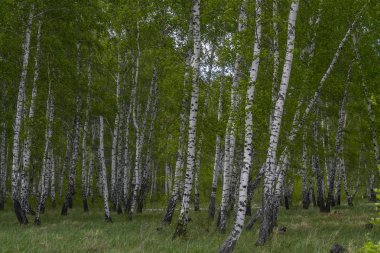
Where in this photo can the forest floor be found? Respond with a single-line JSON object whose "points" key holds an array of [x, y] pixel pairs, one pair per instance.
{"points": [[308, 231]]}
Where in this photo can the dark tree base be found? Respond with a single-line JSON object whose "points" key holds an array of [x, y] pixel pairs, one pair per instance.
{"points": [[20, 214], [196, 202], [42, 209], [286, 199], [108, 219], [211, 208], [180, 230], [53, 204], [228, 246], [85, 206], [37, 221], [119, 210], [64, 209], [170, 211]]}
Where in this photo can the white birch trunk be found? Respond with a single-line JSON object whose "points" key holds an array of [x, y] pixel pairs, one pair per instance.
{"points": [[103, 170], [178, 170], [17, 124], [28, 141], [218, 154], [84, 140], [230, 242], [183, 219], [269, 180], [230, 130]]}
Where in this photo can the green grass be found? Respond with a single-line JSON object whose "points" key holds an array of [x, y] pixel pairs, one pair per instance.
{"points": [[307, 231]]}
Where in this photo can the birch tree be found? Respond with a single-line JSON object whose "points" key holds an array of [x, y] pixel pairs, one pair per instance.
{"points": [[269, 179], [103, 170], [229, 142], [183, 219], [17, 124], [230, 242]]}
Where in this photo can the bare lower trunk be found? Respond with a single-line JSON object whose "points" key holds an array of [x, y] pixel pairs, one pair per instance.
{"points": [[17, 124], [269, 180], [184, 218], [103, 170], [229, 243], [74, 154], [229, 149]]}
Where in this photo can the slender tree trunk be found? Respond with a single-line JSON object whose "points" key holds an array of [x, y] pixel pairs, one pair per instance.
{"points": [[74, 155], [90, 182], [148, 159], [338, 143], [305, 193], [372, 122], [65, 162], [178, 171], [229, 141], [20, 214], [276, 58], [26, 151], [47, 157], [140, 138], [269, 179], [184, 218], [218, 154], [200, 141], [103, 170], [231, 240], [3, 167], [52, 179], [84, 142]]}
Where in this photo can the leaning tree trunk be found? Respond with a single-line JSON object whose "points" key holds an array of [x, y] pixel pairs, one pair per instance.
{"points": [[184, 218], [178, 171], [46, 160], [229, 141], [21, 216], [26, 151], [74, 155], [372, 121], [218, 160], [140, 138], [338, 142], [305, 193], [103, 170], [269, 179], [148, 158], [231, 240], [276, 58], [84, 142]]}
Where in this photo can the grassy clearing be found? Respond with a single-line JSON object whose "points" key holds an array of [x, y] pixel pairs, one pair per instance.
{"points": [[307, 231]]}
